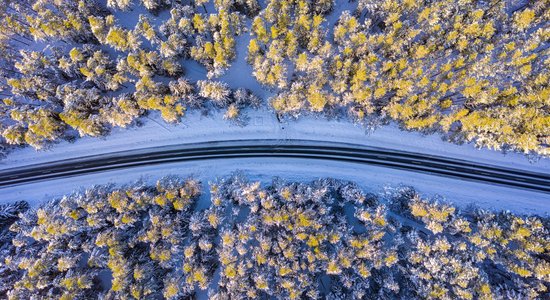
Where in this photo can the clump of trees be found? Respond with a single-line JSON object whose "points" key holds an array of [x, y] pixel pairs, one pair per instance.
{"points": [[476, 71], [9, 213], [295, 237], [474, 254], [324, 239], [134, 233], [151, 5], [232, 101], [209, 36], [217, 52], [95, 74]]}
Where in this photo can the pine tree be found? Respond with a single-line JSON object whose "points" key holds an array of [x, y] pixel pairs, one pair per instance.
{"points": [[119, 4], [217, 91], [81, 109]]}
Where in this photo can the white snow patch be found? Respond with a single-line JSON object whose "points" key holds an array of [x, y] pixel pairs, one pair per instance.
{"points": [[370, 178]]}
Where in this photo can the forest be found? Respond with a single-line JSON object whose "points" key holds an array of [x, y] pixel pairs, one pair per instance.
{"points": [[239, 239], [471, 71], [467, 71]]}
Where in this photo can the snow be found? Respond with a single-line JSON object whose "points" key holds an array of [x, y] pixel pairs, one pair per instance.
{"points": [[196, 127], [370, 178]]}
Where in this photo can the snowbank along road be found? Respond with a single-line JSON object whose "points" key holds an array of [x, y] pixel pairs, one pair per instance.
{"points": [[303, 149]]}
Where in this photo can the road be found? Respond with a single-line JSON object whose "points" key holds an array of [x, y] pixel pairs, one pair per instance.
{"points": [[303, 149]]}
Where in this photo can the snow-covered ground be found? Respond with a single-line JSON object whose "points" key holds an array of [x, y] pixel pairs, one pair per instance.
{"points": [[263, 125], [370, 178]]}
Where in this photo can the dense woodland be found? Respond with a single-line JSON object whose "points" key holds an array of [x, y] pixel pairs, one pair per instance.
{"points": [[321, 240], [473, 70], [470, 70]]}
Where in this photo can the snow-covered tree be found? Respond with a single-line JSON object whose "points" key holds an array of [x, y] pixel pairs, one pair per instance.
{"points": [[81, 107], [217, 91]]}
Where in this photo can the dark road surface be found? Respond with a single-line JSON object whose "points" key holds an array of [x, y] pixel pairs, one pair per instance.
{"points": [[303, 149]]}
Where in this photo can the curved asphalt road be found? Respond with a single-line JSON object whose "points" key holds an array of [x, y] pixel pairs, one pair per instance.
{"points": [[304, 149]]}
